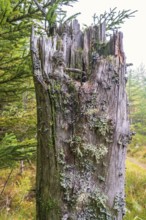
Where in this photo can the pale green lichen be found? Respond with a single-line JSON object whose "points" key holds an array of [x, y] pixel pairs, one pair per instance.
{"points": [[101, 178], [119, 203], [82, 150], [83, 201], [97, 152], [94, 206], [91, 111]]}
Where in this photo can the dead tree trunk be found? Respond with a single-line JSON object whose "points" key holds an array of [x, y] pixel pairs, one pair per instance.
{"points": [[82, 124]]}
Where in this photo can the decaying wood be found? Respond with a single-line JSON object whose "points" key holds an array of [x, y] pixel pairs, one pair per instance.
{"points": [[83, 127]]}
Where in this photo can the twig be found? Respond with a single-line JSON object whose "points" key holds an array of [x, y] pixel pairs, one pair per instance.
{"points": [[27, 15], [40, 8]]}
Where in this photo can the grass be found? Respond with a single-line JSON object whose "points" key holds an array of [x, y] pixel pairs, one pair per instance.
{"points": [[139, 153], [137, 148], [17, 200], [136, 192]]}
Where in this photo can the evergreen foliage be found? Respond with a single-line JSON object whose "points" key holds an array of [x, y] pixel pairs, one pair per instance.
{"points": [[113, 19], [17, 98], [136, 89]]}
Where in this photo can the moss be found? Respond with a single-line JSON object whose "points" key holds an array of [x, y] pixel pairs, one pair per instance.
{"points": [[49, 205], [52, 204], [102, 48], [53, 100], [57, 87], [50, 143], [71, 87]]}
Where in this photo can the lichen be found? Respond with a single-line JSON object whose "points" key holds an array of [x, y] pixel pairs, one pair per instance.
{"points": [[98, 199], [61, 157], [119, 203], [124, 139], [81, 196], [97, 152], [91, 111], [101, 178], [94, 206], [82, 149], [103, 126], [84, 201]]}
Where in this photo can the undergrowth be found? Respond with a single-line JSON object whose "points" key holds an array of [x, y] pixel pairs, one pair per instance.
{"points": [[17, 198], [17, 195], [136, 192], [137, 148]]}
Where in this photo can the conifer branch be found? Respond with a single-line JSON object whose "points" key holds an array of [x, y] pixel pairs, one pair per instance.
{"points": [[113, 19]]}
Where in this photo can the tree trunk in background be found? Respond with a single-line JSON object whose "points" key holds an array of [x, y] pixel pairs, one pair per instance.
{"points": [[82, 124]]}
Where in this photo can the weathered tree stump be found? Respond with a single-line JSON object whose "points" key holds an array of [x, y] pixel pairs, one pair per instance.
{"points": [[82, 124]]}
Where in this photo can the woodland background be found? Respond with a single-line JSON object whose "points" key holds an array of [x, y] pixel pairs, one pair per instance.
{"points": [[18, 113]]}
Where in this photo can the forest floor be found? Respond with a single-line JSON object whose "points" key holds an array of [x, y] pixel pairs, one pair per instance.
{"points": [[135, 161], [17, 199], [135, 188]]}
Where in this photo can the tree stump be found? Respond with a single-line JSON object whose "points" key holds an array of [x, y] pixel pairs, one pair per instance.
{"points": [[82, 124]]}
